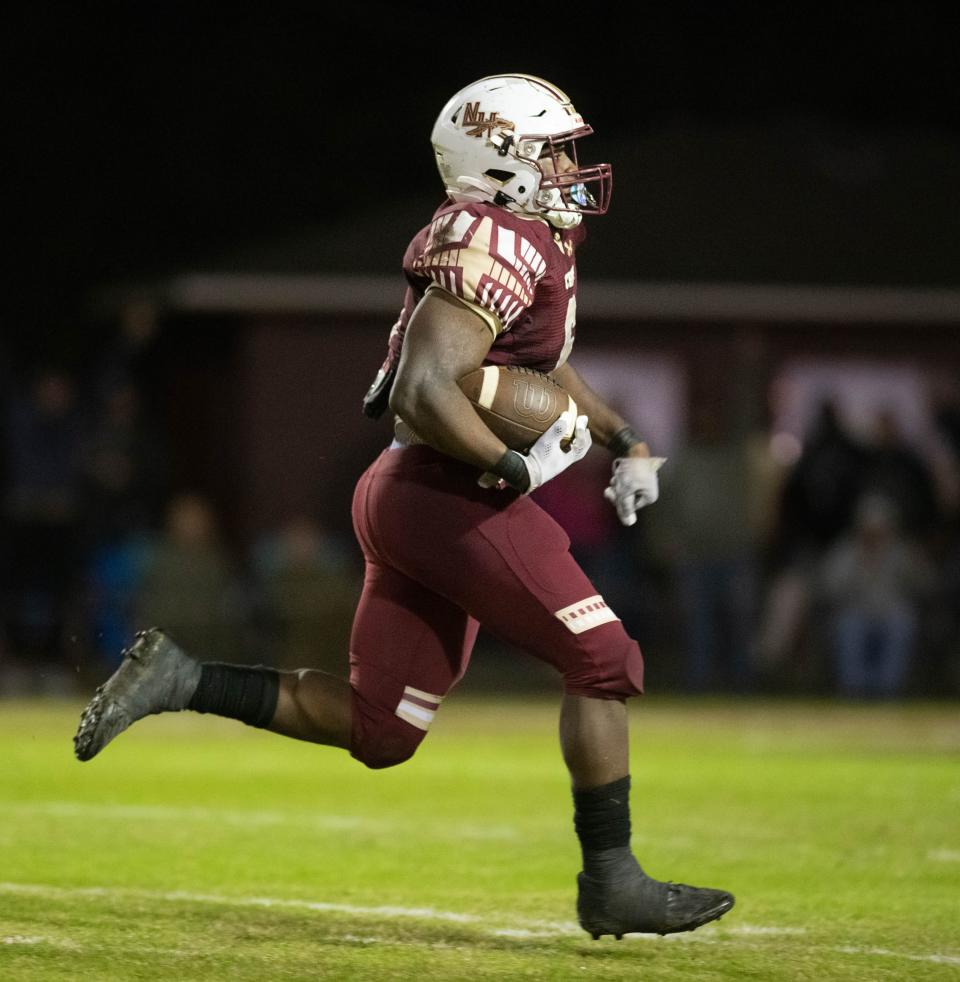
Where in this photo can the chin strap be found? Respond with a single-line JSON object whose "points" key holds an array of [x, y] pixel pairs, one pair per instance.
{"points": [[471, 190], [557, 217], [563, 219]]}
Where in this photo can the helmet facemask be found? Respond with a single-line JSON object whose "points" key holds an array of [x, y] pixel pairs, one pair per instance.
{"points": [[582, 190], [563, 193]]}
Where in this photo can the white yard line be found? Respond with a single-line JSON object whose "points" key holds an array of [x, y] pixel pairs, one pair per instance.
{"points": [[523, 929], [181, 896], [247, 818], [70, 945], [944, 855], [30, 941], [887, 953]]}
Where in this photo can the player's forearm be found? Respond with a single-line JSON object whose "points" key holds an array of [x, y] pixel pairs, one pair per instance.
{"points": [[442, 416], [605, 422]]}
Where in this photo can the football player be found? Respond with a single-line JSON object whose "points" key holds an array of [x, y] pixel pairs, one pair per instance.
{"points": [[450, 535]]}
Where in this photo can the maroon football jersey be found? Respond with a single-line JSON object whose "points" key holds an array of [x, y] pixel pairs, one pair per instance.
{"points": [[518, 274]]}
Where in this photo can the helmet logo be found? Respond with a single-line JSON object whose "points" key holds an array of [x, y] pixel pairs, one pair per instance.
{"points": [[481, 122]]}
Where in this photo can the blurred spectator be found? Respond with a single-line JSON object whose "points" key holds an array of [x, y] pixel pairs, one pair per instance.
{"points": [[43, 450], [873, 580], [124, 358], [114, 577], [821, 491], [709, 535], [947, 620], [942, 447], [189, 585], [125, 483], [817, 504], [124, 468], [947, 614], [897, 472], [947, 413], [308, 587], [6, 387], [42, 443]]}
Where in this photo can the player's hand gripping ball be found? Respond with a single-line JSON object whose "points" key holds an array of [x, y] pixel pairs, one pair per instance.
{"points": [[518, 404], [633, 485], [554, 452]]}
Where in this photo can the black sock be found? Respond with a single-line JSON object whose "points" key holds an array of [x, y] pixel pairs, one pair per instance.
{"points": [[248, 694], [602, 820]]}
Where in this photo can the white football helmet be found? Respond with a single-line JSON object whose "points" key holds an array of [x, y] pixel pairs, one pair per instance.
{"points": [[493, 139]]}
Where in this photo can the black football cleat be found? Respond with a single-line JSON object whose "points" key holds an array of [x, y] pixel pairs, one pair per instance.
{"points": [[154, 677], [634, 903]]}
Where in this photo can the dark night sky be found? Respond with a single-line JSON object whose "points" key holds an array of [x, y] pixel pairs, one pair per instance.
{"points": [[152, 137]]}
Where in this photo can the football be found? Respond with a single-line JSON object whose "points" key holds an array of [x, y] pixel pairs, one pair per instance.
{"points": [[518, 404]]}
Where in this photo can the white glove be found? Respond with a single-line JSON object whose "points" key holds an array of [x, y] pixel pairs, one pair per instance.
{"points": [[633, 485], [555, 450]]}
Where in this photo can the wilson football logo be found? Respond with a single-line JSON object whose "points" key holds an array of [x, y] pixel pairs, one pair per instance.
{"points": [[533, 402]]}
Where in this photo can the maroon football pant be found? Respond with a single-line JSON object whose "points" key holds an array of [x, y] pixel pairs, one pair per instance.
{"points": [[443, 556]]}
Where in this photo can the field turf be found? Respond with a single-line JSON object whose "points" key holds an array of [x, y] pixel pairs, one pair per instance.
{"points": [[197, 849]]}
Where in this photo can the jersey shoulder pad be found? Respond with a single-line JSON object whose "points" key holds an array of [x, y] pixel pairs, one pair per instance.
{"points": [[485, 257]]}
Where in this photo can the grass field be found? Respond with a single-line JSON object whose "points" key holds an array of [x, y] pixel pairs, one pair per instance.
{"points": [[195, 848]]}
